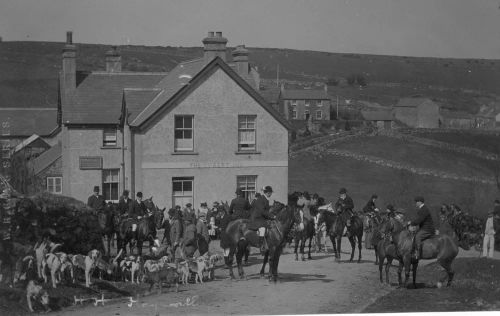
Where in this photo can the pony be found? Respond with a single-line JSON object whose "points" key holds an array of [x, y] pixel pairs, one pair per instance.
{"points": [[335, 222], [302, 235], [398, 244], [239, 237]]}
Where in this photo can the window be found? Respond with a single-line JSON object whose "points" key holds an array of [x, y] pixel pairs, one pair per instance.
{"points": [[248, 184], [184, 133], [5, 149], [307, 102], [109, 138], [293, 102], [54, 185], [294, 114], [246, 132], [319, 103], [306, 114], [182, 191], [110, 183], [319, 114]]}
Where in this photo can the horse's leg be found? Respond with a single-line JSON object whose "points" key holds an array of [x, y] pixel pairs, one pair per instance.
{"points": [[229, 262], [297, 240], [414, 266], [339, 243], [264, 262], [446, 264], [139, 246], [375, 247], [380, 266], [359, 246], [407, 265], [110, 239], [302, 245], [400, 270], [387, 267], [352, 241], [309, 253], [242, 246]]}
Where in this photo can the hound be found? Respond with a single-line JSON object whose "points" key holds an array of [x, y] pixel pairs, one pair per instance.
{"points": [[86, 263], [36, 292], [54, 262]]}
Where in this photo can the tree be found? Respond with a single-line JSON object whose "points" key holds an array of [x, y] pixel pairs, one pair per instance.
{"points": [[361, 80]]}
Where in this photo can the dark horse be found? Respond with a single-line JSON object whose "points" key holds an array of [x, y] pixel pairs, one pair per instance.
{"points": [[397, 244], [106, 221], [335, 223], [307, 233], [146, 230], [239, 237]]}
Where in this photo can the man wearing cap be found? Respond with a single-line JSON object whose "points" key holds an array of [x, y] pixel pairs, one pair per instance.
{"points": [[426, 226], [96, 201], [124, 203], [188, 213], [239, 207], [345, 204], [203, 210], [137, 210], [260, 214]]}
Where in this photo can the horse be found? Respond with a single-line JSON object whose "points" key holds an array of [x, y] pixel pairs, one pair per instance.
{"points": [[335, 223], [302, 235], [239, 237], [398, 244], [107, 226]]}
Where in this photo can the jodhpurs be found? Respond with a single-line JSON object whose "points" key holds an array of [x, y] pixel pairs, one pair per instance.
{"points": [[420, 237]]}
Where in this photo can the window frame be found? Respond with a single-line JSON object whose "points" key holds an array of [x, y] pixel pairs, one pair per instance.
{"points": [[249, 194], [190, 198], [110, 143], [247, 129], [54, 185], [110, 183], [320, 114], [319, 103], [294, 102], [183, 130], [5, 149], [295, 114], [307, 103], [306, 112]]}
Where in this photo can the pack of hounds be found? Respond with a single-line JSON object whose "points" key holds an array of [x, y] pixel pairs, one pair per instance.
{"points": [[54, 267]]}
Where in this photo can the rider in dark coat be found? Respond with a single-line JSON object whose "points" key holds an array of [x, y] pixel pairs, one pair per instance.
{"points": [[137, 208], [425, 223], [124, 203], [345, 204], [96, 201], [370, 205], [260, 215], [239, 207]]}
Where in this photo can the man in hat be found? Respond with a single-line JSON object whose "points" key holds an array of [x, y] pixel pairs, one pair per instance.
{"points": [[425, 226], [137, 210], [96, 201], [239, 207], [175, 234], [370, 205], [203, 210], [489, 236], [188, 214], [260, 214], [124, 203], [345, 204]]}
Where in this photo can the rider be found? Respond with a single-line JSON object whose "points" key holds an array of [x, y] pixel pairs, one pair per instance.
{"points": [[203, 210], [96, 201], [137, 210], [240, 206], [426, 226], [201, 227], [304, 203], [370, 205], [345, 203], [260, 214], [124, 203]]}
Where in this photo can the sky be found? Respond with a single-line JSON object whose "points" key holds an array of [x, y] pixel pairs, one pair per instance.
{"points": [[429, 28]]}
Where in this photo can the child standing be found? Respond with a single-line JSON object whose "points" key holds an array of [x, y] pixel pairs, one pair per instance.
{"points": [[489, 237]]}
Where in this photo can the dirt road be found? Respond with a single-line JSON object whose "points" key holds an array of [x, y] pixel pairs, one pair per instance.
{"points": [[316, 286]]}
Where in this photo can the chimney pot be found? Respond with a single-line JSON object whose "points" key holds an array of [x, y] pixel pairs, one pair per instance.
{"points": [[210, 34], [69, 37], [219, 34]]}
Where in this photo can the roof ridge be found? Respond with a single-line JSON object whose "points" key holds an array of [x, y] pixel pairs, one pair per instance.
{"points": [[154, 99], [102, 72], [142, 89], [189, 61], [26, 109]]}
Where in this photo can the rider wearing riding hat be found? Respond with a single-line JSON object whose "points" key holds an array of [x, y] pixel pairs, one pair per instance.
{"points": [[345, 204], [96, 201], [260, 215], [239, 207], [425, 224], [137, 210], [370, 206], [124, 202]]}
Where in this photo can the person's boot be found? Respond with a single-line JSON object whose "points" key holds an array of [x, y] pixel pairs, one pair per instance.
{"points": [[262, 243], [416, 252]]}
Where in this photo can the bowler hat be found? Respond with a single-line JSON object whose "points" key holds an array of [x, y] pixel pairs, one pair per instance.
{"points": [[204, 204], [419, 199], [268, 189], [189, 205], [96, 188], [239, 191], [125, 193], [374, 196], [139, 194], [497, 201], [343, 191]]}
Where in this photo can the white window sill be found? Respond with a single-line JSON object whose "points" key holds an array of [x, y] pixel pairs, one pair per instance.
{"points": [[185, 153], [111, 147], [248, 152]]}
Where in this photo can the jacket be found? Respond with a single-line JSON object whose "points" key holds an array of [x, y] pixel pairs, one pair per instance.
{"points": [[175, 230], [189, 234], [137, 208], [96, 202], [239, 208], [260, 211], [489, 229], [201, 228], [124, 205], [424, 220], [345, 204], [369, 207]]}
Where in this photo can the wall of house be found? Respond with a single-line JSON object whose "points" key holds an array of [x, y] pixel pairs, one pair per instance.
{"points": [[301, 108], [54, 170], [215, 162], [428, 115], [406, 115], [88, 142]]}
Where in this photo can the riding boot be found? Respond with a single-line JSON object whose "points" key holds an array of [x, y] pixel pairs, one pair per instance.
{"points": [[416, 252], [262, 243]]}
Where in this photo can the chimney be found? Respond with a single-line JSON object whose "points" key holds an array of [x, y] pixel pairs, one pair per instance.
{"points": [[215, 45], [240, 58], [69, 66], [113, 60]]}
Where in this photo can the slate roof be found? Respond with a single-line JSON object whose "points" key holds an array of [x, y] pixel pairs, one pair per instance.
{"points": [[25, 122], [305, 94], [48, 157], [30, 140], [271, 94], [381, 115], [136, 100], [411, 102], [98, 98]]}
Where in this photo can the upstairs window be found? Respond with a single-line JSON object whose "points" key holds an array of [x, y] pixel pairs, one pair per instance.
{"points": [[294, 114], [307, 102], [109, 137], [319, 114], [293, 102], [246, 132], [110, 183], [184, 133], [306, 114], [319, 102]]}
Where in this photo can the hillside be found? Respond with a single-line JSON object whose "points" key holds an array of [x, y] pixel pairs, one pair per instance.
{"points": [[29, 70], [322, 171]]}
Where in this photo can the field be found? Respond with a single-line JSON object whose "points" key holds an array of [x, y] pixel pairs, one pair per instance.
{"points": [[485, 142]]}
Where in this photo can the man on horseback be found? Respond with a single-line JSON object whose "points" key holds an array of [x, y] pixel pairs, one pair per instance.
{"points": [[304, 204], [370, 206], [96, 201], [426, 226], [240, 206], [345, 204], [137, 210], [260, 214], [124, 203]]}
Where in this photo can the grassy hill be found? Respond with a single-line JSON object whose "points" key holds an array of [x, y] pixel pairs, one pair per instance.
{"points": [[325, 174], [465, 84]]}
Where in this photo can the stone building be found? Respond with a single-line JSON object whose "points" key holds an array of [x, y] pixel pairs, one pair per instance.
{"points": [[302, 104], [417, 112], [194, 134], [382, 119]]}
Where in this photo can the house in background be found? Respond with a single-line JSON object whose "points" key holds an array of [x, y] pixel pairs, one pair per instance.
{"points": [[192, 135], [417, 112], [382, 119], [46, 170], [302, 104]]}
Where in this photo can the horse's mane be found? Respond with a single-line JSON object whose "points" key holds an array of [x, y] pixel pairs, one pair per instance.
{"points": [[284, 212]]}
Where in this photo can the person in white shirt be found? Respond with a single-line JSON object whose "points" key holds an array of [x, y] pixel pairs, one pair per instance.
{"points": [[489, 237]]}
